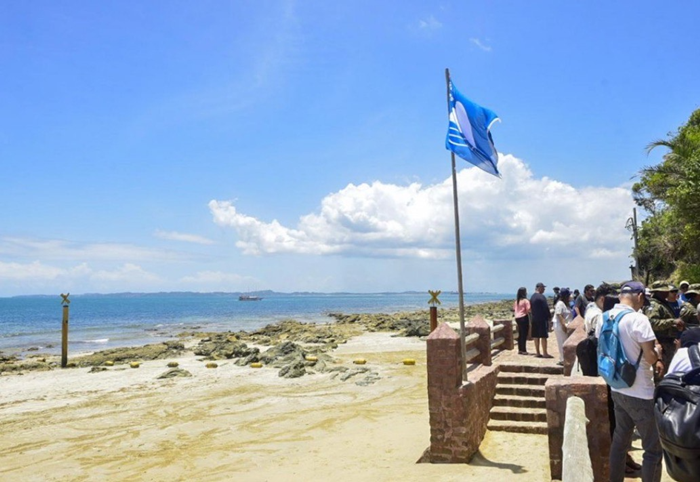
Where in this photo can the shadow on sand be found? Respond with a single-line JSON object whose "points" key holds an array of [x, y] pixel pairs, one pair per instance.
{"points": [[480, 461]]}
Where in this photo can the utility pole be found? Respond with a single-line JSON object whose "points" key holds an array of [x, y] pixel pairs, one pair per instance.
{"points": [[632, 225]]}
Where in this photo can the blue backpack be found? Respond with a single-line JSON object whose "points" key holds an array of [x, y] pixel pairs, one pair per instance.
{"points": [[613, 364]]}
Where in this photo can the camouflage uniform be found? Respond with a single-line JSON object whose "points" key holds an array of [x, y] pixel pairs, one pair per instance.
{"points": [[689, 312], [662, 321]]}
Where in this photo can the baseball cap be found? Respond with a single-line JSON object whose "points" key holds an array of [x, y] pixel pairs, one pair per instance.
{"points": [[690, 337], [564, 292], [632, 287], [540, 285], [672, 288], [684, 282]]}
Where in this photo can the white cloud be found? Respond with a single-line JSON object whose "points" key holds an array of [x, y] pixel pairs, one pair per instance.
{"points": [[67, 250], [38, 271], [184, 237], [519, 215], [128, 272], [28, 271], [220, 281], [429, 24], [480, 44]]}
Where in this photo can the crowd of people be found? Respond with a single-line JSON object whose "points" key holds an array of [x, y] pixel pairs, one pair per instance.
{"points": [[656, 325]]}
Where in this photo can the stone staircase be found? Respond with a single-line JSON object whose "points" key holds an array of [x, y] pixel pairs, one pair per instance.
{"points": [[519, 404]]}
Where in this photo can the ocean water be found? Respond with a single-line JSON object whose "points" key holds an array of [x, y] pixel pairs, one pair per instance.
{"points": [[106, 321]]}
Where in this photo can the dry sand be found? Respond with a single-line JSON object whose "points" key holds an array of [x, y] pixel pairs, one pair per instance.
{"points": [[240, 423]]}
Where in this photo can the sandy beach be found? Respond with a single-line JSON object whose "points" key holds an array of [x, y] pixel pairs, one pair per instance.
{"points": [[241, 423]]}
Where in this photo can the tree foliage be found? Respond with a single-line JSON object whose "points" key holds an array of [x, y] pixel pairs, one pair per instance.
{"points": [[669, 238]]}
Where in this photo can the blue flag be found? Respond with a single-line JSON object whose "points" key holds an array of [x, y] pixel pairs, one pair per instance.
{"points": [[468, 135]]}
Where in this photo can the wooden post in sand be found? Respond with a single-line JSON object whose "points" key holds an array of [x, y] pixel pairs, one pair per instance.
{"points": [[433, 318], [434, 301], [64, 338]]}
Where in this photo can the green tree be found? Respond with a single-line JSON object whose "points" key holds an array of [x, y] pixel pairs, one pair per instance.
{"points": [[669, 238]]}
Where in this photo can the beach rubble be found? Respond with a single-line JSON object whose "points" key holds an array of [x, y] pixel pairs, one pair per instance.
{"points": [[290, 342]]}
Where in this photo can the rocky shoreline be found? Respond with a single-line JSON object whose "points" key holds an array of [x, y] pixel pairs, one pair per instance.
{"points": [[292, 347]]}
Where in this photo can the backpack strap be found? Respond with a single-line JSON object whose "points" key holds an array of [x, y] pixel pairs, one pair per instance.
{"points": [[616, 330], [694, 355]]}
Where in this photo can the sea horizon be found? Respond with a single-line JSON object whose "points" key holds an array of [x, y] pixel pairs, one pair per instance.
{"points": [[100, 321]]}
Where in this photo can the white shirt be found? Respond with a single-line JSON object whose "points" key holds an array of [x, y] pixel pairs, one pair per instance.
{"points": [[593, 318], [562, 309], [635, 329], [681, 362]]}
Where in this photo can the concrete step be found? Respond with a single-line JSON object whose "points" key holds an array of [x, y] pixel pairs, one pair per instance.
{"points": [[544, 369], [519, 414], [519, 427], [522, 378], [515, 401], [521, 390]]}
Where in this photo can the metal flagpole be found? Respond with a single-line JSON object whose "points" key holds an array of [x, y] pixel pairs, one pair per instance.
{"points": [[460, 287]]}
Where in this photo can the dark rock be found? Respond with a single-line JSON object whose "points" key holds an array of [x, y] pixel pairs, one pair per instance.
{"points": [[97, 369], [368, 380], [222, 348], [175, 372], [351, 373], [168, 349], [294, 370]]}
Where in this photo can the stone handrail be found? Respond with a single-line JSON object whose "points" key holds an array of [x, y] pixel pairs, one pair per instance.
{"points": [[471, 352], [502, 335], [576, 459]]}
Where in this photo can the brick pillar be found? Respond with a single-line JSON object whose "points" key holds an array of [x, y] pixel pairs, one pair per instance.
{"points": [[459, 413], [593, 391], [479, 326], [570, 345], [444, 379], [508, 339]]}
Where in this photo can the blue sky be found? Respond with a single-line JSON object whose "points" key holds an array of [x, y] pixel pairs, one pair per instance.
{"points": [[300, 145]]}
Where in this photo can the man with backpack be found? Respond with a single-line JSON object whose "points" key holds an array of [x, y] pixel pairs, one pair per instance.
{"points": [[627, 350]]}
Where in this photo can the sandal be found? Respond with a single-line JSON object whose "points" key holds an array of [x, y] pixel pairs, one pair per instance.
{"points": [[547, 356], [538, 356]]}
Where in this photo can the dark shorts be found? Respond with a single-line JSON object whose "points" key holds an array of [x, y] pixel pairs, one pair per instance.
{"points": [[540, 329]]}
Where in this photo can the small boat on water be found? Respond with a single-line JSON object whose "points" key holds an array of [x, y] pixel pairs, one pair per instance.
{"points": [[249, 298]]}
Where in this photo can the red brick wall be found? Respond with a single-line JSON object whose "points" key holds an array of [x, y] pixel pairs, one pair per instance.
{"points": [[459, 412]]}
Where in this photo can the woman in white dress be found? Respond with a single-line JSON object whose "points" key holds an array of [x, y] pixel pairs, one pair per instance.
{"points": [[562, 318]]}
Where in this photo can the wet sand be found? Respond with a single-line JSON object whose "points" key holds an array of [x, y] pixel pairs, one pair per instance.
{"points": [[240, 423]]}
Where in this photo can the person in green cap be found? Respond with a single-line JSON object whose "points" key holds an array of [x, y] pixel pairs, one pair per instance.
{"points": [[665, 325], [689, 308]]}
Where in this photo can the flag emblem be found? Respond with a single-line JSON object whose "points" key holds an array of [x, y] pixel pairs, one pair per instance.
{"points": [[469, 135]]}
